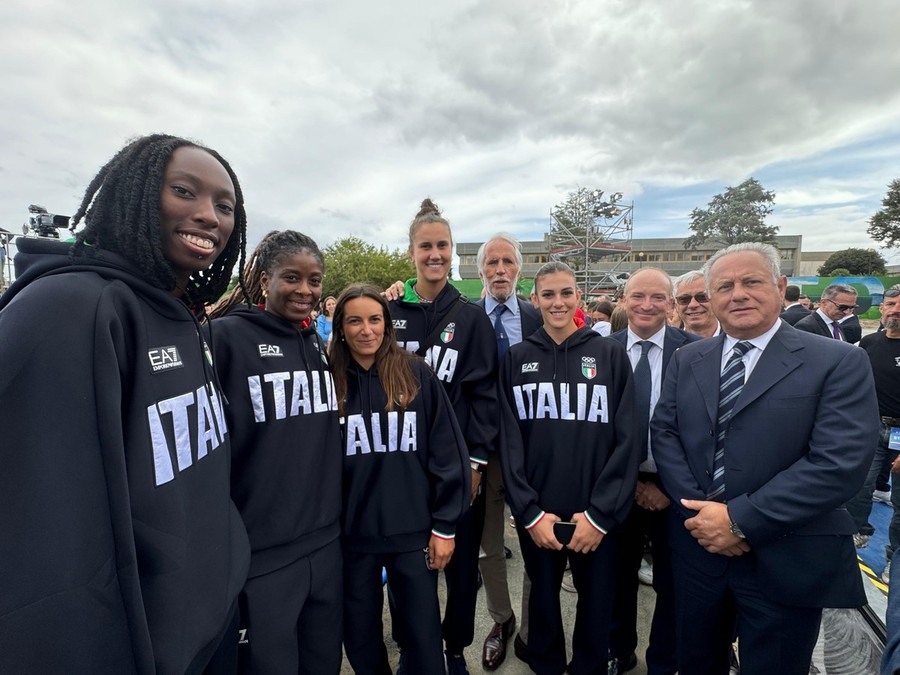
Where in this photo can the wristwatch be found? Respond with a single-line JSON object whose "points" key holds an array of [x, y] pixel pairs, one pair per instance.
{"points": [[736, 530]]}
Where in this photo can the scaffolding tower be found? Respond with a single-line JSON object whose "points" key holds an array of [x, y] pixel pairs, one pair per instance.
{"points": [[593, 236]]}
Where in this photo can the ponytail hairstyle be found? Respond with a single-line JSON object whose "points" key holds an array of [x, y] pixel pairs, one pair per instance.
{"points": [[266, 258], [121, 210], [428, 213], [392, 362]]}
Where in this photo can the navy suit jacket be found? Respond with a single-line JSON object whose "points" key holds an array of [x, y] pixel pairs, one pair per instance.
{"points": [[800, 443], [675, 338], [528, 315], [852, 329], [794, 313]]}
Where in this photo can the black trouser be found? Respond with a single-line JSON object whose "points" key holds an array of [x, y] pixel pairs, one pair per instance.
{"points": [[414, 589], [461, 576], [623, 638], [594, 577], [293, 615]]}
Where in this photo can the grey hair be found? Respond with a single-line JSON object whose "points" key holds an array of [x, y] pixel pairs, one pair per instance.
{"points": [[767, 251], [500, 236], [832, 291], [651, 269], [687, 278]]}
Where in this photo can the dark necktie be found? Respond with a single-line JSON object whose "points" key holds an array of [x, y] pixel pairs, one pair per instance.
{"points": [[731, 382], [643, 385], [835, 330], [500, 331]]}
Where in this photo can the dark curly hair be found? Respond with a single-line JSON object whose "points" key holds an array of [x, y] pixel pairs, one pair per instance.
{"points": [[121, 212], [265, 258]]}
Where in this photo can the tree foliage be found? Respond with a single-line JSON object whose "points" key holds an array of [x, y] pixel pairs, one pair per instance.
{"points": [[578, 221], [857, 261], [577, 214], [351, 260], [736, 216], [884, 226]]}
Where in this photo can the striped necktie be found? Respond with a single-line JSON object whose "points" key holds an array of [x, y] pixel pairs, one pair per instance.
{"points": [[731, 382]]}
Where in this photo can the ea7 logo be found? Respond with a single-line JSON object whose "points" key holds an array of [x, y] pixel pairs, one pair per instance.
{"points": [[530, 367], [164, 358], [399, 324], [266, 351]]}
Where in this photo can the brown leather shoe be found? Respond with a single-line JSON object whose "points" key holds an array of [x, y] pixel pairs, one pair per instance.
{"points": [[494, 651]]}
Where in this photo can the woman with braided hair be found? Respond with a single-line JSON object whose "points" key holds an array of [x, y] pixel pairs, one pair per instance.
{"points": [[286, 471], [122, 550]]}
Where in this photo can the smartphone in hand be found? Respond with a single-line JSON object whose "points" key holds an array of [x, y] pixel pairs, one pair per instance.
{"points": [[563, 532]]}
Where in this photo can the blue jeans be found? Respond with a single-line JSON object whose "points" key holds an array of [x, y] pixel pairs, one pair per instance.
{"points": [[860, 506]]}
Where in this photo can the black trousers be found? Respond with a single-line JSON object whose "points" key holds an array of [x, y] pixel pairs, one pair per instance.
{"points": [[461, 577], [414, 588], [594, 578], [292, 616], [772, 638], [623, 638]]}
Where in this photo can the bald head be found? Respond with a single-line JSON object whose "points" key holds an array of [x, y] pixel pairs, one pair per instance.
{"points": [[647, 299]]}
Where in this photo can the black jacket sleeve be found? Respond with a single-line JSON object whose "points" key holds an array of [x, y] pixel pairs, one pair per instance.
{"points": [[448, 466]]}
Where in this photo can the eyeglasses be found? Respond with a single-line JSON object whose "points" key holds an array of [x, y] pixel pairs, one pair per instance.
{"points": [[892, 292], [843, 308], [686, 299]]}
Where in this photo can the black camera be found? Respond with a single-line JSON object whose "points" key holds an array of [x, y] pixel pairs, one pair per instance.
{"points": [[42, 223]]}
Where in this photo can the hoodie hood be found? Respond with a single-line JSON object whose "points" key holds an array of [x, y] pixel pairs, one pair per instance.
{"points": [[441, 303], [271, 322], [544, 342], [37, 258]]}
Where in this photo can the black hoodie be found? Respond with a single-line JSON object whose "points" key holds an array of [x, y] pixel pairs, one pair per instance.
{"points": [[406, 472], [463, 356], [285, 436], [568, 428], [120, 548]]}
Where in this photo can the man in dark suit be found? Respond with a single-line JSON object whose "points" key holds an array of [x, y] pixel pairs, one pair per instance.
{"points": [[851, 328], [837, 303], [761, 435], [647, 298], [499, 261], [793, 309]]}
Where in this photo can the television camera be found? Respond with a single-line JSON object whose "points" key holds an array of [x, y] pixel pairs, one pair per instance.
{"points": [[42, 223]]}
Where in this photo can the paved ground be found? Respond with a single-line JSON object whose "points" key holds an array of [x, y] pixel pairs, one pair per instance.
{"points": [[484, 623]]}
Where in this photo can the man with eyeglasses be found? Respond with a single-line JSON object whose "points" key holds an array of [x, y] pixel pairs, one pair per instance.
{"points": [[692, 305], [883, 349], [838, 302]]}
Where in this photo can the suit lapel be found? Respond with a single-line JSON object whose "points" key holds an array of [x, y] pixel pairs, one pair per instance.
{"points": [[777, 361], [673, 340], [706, 366]]}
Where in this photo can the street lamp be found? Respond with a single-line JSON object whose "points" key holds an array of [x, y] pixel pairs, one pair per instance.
{"points": [[641, 256]]}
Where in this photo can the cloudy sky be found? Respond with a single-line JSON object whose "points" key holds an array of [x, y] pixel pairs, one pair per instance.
{"points": [[339, 116]]}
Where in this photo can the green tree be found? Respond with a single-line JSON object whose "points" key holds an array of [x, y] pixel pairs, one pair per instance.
{"points": [[736, 216], [884, 226], [857, 261], [351, 260], [578, 223]]}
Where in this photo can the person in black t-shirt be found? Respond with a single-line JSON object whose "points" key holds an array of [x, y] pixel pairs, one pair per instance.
{"points": [[883, 349]]}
